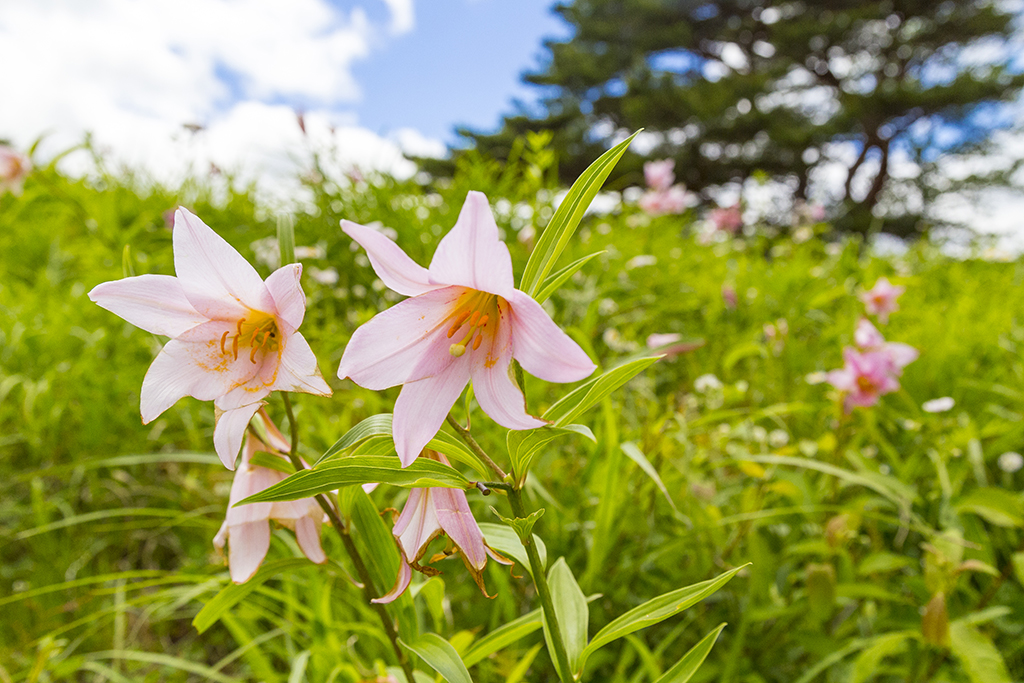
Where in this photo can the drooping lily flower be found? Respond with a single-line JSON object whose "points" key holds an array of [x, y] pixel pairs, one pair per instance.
{"points": [[233, 336], [14, 167], [864, 378], [429, 513], [880, 300], [464, 320], [868, 338], [659, 174], [246, 529]]}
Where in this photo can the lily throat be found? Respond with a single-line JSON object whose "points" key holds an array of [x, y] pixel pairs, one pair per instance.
{"points": [[256, 332], [475, 315]]}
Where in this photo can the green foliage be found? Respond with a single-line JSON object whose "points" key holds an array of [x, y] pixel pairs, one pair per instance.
{"points": [[106, 524]]}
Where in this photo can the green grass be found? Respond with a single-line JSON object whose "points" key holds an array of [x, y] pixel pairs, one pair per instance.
{"points": [[105, 559]]}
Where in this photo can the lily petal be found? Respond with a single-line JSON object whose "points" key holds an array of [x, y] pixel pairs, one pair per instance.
{"points": [[455, 517], [286, 292], [472, 254], [498, 394], [155, 303], [218, 282], [307, 533], [229, 430], [186, 368], [544, 350], [417, 525], [385, 351], [298, 370], [392, 265], [247, 546], [402, 582], [421, 408]]}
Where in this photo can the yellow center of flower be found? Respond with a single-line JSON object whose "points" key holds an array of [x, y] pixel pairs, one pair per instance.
{"points": [[476, 314], [256, 332], [865, 384]]}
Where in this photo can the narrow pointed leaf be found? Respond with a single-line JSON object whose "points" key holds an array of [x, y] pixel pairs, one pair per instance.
{"points": [[375, 425], [361, 469], [232, 594], [568, 216], [656, 610], [441, 656], [502, 637], [524, 445], [683, 670], [558, 279], [572, 612], [636, 455], [584, 397]]}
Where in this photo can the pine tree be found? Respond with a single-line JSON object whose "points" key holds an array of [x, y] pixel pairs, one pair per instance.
{"points": [[739, 88]]}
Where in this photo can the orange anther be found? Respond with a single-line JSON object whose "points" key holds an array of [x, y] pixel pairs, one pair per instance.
{"points": [[252, 354], [475, 318], [476, 342], [223, 338], [483, 320], [234, 344]]}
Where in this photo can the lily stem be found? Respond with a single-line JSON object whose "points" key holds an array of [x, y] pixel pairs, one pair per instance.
{"points": [[350, 547], [540, 580], [475, 447]]}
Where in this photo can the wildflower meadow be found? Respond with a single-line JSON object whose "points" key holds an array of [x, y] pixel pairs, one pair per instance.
{"points": [[472, 429]]}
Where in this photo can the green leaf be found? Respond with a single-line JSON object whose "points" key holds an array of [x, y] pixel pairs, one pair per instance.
{"points": [[580, 399], [441, 656], [523, 445], [502, 637], [373, 437], [375, 425], [271, 461], [506, 542], [361, 469], [656, 610], [637, 456], [568, 216], [979, 658], [558, 279], [865, 667], [522, 527], [572, 612], [683, 670], [286, 238], [232, 594], [995, 506]]}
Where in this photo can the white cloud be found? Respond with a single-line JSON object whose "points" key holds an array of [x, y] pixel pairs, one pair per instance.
{"points": [[135, 73]]}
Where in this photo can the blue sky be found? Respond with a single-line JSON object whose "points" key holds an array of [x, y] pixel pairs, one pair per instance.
{"points": [[461, 64]]}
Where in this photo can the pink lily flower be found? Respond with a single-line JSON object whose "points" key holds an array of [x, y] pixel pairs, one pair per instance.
{"points": [[246, 529], [659, 175], [727, 220], [864, 378], [868, 338], [464, 320], [429, 513], [14, 168], [880, 300], [663, 202], [233, 336]]}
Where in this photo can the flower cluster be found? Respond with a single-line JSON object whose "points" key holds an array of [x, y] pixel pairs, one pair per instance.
{"points": [[872, 369], [233, 340], [880, 300], [729, 219], [662, 197]]}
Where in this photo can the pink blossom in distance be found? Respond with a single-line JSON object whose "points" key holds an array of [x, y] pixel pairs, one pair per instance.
{"points": [[864, 378], [659, 174], [464, 320], [728, 219], [14, 168], [246, 529], [880, 300], [671, 344], [664, 202], [867, 337], [233, 337], [729, 297], [429, 513]]}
